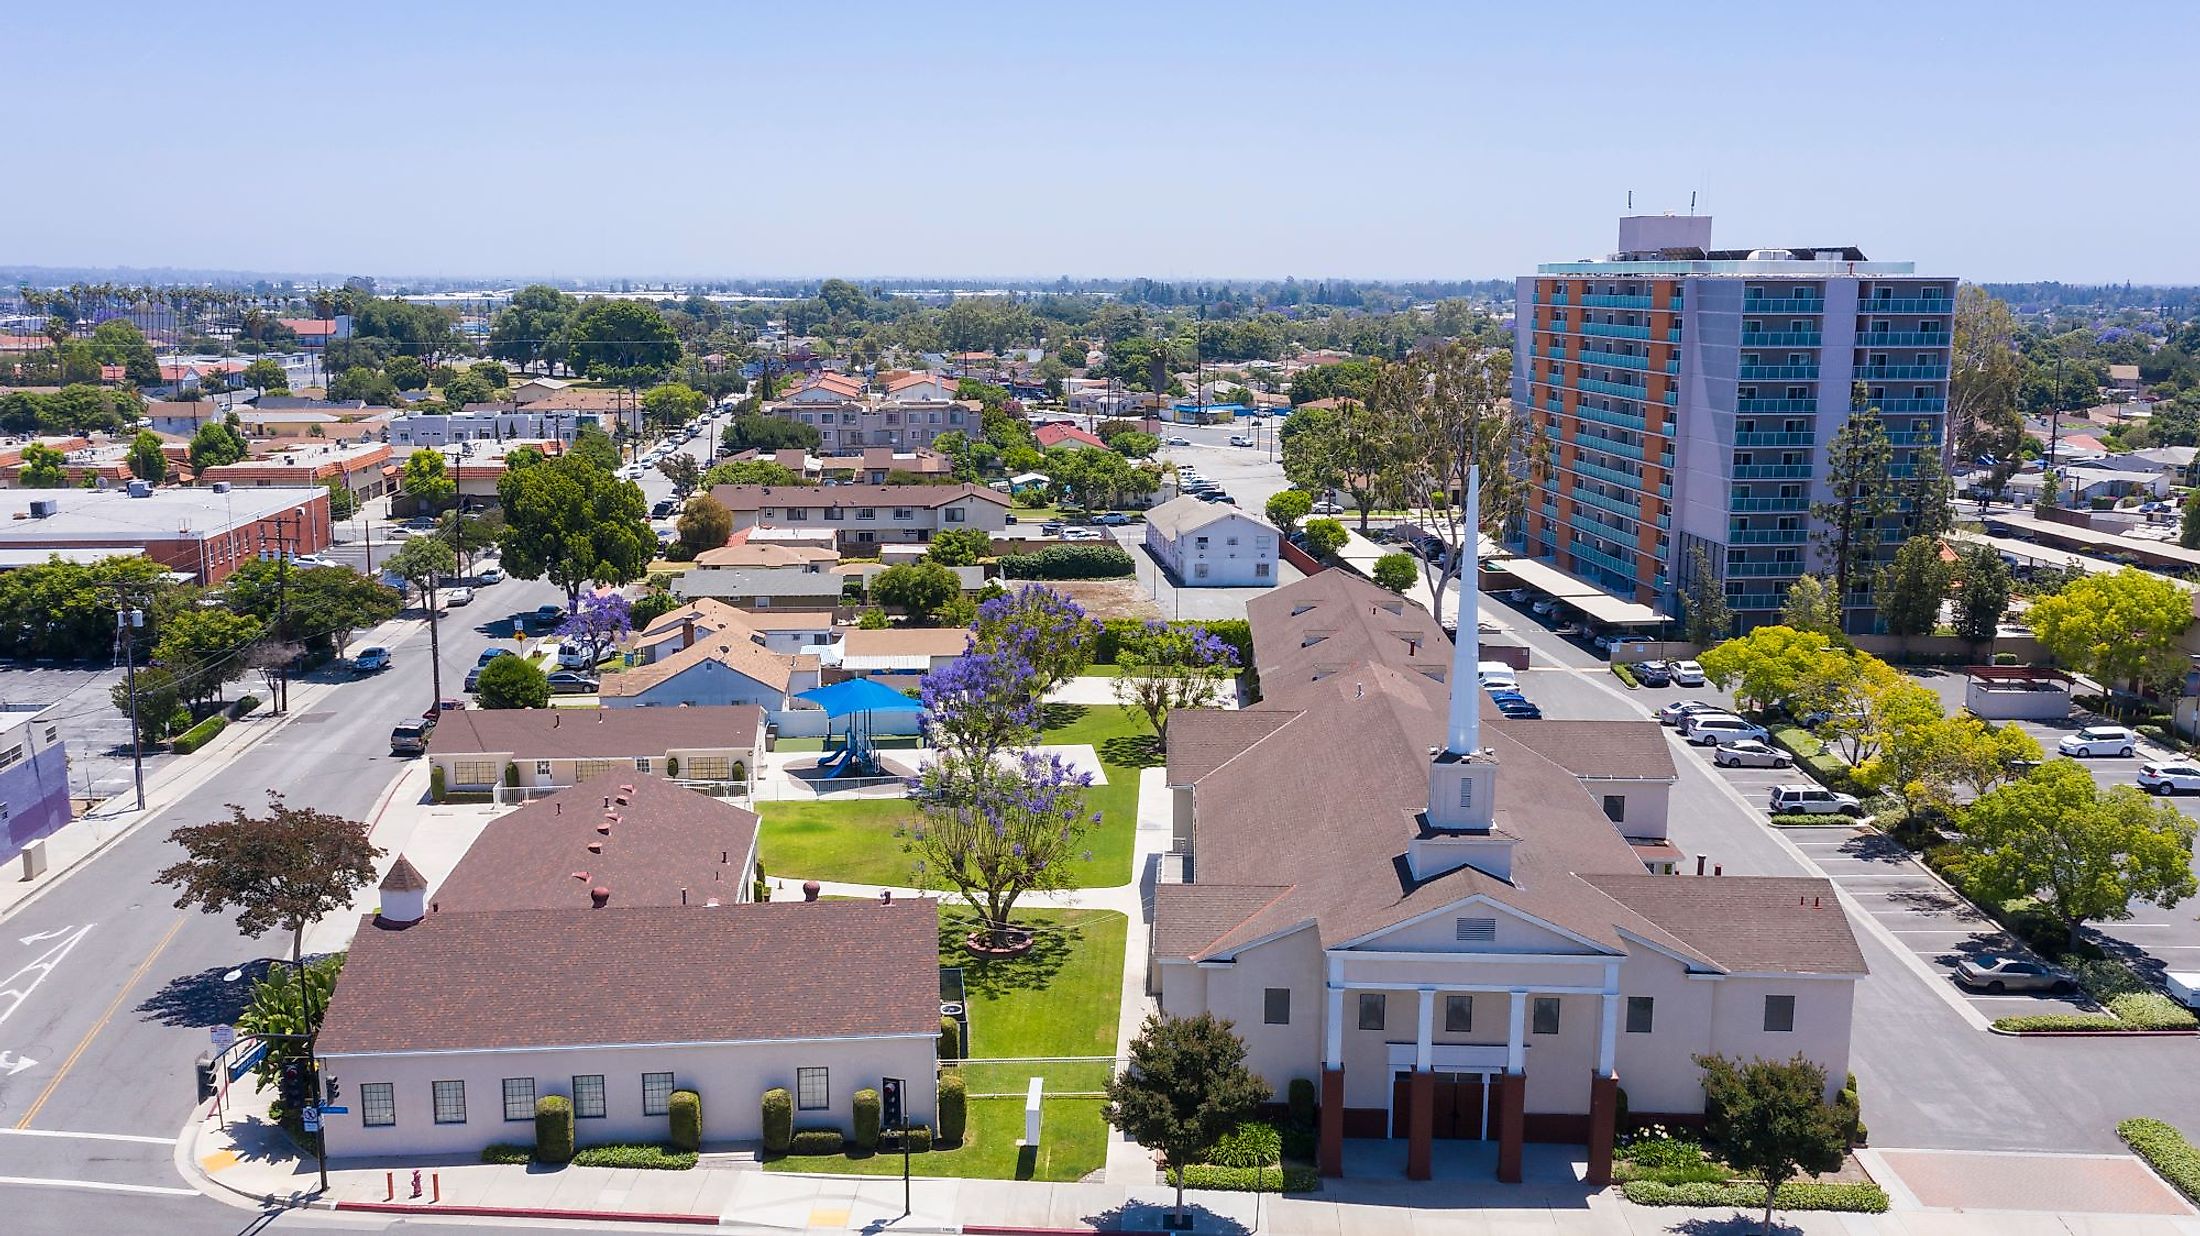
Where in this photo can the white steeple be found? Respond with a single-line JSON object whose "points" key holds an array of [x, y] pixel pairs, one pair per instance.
{"points": [[1464, 732]]}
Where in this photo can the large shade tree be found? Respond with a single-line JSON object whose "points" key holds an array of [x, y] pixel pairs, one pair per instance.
{"points": [[280, 871], [573, 523]]}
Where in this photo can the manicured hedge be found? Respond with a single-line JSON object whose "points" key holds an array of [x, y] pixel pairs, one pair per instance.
{"points": [[1069, 562], [436, 791], [1249, 1179], [2166, 1151], [197, 736], [507, 1154], [778, 1120], [951, 1038], [1115, 632], [867, 1119], [1812, 757], [244, 706], [817, 1141], [1625, 675], [2059, 1021], [2150, 1010], [954, 1105], [919, 1137], [1749, 1195], [1252, 1144], [554, 1129], [686, 1119], [646, 1155], [1803, 819]]}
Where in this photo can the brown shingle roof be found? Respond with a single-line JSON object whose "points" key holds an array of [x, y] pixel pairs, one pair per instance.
{"points": [[1189, 916], [729, 648], [1595, 750], [1752, 925], [593, 733], [1314, 627], [571, 978], [756, 497], [667, 838], [765, 554], [404, 878], [1204, 739], [905, 642]]}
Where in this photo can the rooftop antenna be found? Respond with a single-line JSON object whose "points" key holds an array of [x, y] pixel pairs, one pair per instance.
{"points": [[1630, 201], [1691, 201]]}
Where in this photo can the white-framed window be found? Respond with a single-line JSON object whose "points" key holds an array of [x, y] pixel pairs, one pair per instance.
{"points": [[1641, 1013], [813, 1089], [473, 772], [542, 768], [519, 1098], [378, 1105], [1260, 570], [656, 1094], [450, 1101], [953, 515], [588, 1101]]}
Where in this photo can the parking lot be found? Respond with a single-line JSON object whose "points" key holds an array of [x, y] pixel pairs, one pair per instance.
{"points": [[97, 733]]}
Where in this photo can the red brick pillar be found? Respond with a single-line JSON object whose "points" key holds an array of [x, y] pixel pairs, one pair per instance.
{"points": [[1420, 1123], [1603, 1121], [1512, 1095], [1332, 1144]]}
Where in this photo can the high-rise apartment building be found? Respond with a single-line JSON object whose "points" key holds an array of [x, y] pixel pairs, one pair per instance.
{"points": [[1689, 396]]}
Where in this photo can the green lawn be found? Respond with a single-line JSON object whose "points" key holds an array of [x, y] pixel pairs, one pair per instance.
{"points": [[854, 841], [1073, 1144]]}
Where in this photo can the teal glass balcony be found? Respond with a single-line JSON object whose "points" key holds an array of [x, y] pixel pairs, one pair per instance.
{"points": [[1614, 330], [1672, 334], [1632, 509], [1665, 490], [1771, 472], [1622, 420], [1931, 304], [1617, 389], [1911, 405], [1610, 476], [1762, 569], [1755, 600], [1617, 565], [1598, 442], [1665, 523], [1775, 439], [1914, 439], [1618, 360], [1785, 304], [1673, 367], [1900, 339], [1781, 339], [1777, 373], [1671, 397], [1768, 536], [1775, 405], [1902, 373], [1616, 302], [1774, 505]]}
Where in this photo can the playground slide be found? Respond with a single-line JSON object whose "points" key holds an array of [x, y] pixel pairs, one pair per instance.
{"points": [[837, 759]]}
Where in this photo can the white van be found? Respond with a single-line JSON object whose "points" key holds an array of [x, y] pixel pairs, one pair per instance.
{"points": [[1496, 674]]}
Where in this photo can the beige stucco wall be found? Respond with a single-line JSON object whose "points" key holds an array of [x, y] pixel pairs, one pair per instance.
{"points": [[731, 1079], [564, 772], [1277, 1053], [1647, 805]]}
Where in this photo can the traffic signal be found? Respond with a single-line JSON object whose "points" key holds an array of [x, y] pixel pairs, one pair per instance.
{"points": [[291, 1084], [890, 1102], [335, 1090]]}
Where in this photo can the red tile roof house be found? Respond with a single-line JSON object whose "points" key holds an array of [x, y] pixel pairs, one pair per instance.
{"points": [[1059, 434], [1448, 926], [530, 751], [601, 945]]}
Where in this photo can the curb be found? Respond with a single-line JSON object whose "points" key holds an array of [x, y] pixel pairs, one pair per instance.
{"points": [[2094, 1034], [524, 1212]]}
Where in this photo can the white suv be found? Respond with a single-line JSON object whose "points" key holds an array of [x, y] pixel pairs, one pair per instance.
{"points": [[1811, 800], [1709, 729], [2099, 740], [2179, 777]]}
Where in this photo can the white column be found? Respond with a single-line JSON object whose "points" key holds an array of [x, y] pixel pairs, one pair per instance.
{"points": [[1608, 1035], [1333, 1044], [1516, 1035], [1424, 1047]]}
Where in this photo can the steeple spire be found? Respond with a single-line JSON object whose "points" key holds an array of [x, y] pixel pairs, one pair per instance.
{"points": [[1465, 730]]}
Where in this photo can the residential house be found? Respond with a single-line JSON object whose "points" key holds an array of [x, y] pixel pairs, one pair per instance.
{"points": [[752, 555], [866, 516], [1060, 433], [2124, 379], [364, 468], [723, 672], [1447, 930], [534, 750], [920, 388], [314, 333], [775, 630], [602, 945], [896, 657], [763, 588], [182, 418], [1213, 544]]}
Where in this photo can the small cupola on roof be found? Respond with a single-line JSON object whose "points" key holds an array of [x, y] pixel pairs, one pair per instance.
{"points": [[1459, 826], [404, 895]]}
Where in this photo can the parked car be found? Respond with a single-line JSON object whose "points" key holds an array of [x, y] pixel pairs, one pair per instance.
{"points": [[1052, 527], [491, 574], [1327, 508], [2180, 777], [1544, 608], [372, 659], [1712, 729], [491, 654], [1218, 496], [1081, 534], [572, 682], [2099, 740], [1750, 753], [1176, 440], [1812, 800], [1687, 674], [573, 656], [1994, 974], [1238, 439], [1519, 710], [313, 560], [458, 596], [410, 736], [1113, 519], [1651, 673], [1680, 710], [545, 616], [664, 509], [1497, 674]]}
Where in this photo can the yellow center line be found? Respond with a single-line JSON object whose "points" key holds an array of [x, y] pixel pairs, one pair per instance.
{"points": [[31, 1113]]}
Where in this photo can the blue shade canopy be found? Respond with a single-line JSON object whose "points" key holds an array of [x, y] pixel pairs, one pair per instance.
{"points": [[859, 695]]}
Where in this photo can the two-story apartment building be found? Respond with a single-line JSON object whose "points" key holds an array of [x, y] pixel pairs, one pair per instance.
{"points": [[1212, 544], [866, 516]]}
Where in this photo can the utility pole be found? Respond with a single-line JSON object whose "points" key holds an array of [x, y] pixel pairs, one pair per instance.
{"points": [[435, 647], [128, 621]]}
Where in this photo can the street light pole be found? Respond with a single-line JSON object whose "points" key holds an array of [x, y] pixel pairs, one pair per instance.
{"points": [[127, 623]]}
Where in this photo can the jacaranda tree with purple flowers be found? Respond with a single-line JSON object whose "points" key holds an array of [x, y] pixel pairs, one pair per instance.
{"points": [[979, 705], [997, 828], [1171, 665], [603, 619], [1044, 628]]}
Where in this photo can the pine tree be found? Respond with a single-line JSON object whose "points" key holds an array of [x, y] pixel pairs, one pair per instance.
{"points": [[1704, 609], [1857, 464], [1912, 587]]}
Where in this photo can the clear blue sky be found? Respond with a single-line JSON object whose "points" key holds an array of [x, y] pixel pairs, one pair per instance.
{"points": [[2002, 140]]}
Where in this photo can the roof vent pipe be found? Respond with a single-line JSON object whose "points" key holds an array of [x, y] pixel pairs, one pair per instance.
{"points": [[599, 896]]}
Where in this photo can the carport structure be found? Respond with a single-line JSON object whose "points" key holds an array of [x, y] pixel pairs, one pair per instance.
{"points": [[2016, 692], [1586, 597]]}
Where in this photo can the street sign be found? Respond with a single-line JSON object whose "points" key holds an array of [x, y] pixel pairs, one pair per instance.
{"points": [[312, 1118], [336, 1111], [225, 1037]]}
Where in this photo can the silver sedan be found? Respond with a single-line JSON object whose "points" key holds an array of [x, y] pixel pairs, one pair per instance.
{"points": [[1749, 753]]}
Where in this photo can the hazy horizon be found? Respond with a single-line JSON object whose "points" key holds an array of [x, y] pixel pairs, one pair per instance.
{"points": [[1226, 142]]}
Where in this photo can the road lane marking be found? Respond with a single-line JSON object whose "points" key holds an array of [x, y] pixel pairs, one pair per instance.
{"points": [[106, 1015], [12, 995], [97, 1137], [98, 1185]]}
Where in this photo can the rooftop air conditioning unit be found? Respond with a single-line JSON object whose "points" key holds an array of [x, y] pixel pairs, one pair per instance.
{"points": [[139, 489], [221, 487], [44, 508]]}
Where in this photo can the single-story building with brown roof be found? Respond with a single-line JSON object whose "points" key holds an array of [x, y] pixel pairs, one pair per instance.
{"points": [[601, 945], [895, 656], [536, 750]]}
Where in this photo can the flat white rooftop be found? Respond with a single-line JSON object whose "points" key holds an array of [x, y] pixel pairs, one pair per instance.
{"points": [[163, 515]]}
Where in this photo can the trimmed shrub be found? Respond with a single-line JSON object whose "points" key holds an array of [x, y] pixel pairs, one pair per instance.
{"points": [[511, 776], [436, 792], [672, 766], [197, 736], [554, 1129], [919, 1137], [951, 1039], [1804, 819], [954, 1109], [817, 1141], [686, 1115], [1086, 561], [507, 1154], [2150, 1010], [2166, 1151], [1252, 1144], [1867, 1199], [2059, 1021], [867, 1119], [244, 706], [1300, 1094], [1625, 675], [646, 1155], [1249, 1179], [2005, 658], [778, 1120], [178, 721], [1812, 757]]}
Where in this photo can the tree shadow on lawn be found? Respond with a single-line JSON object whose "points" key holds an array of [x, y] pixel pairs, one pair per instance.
{"points": [[1132, 751], [994, 977], [1061, 716]]}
